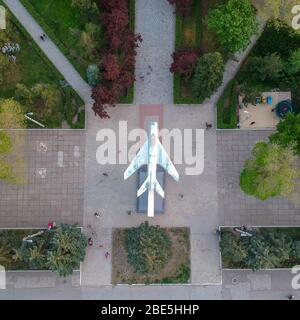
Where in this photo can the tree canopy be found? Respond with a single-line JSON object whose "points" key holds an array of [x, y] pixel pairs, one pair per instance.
{"points": [[234, 23], [149, 248], [288, 132], [271, 171], [67, 249], [208, 75], [11, 114]]}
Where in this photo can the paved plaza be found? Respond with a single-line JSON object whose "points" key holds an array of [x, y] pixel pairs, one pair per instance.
{"points": [[53, 188], [235, 207], [114, 197], [65, 182]]}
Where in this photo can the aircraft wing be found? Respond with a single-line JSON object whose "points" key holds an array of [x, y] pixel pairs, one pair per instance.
{"points": [[140, 159], [165, 161]]}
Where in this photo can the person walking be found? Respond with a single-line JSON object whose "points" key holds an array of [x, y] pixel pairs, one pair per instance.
{"points": [[97, 215], [208, 125]]}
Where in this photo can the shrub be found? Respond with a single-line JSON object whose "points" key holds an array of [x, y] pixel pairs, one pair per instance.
{"points": [[269, 67], [296, 253], [5, 170], [232, 247], [93, 75], [268, 250], [293, 64], [208, 75], [227, 107], [148, 247], [5, 142], [67, 249], [184, 62]]}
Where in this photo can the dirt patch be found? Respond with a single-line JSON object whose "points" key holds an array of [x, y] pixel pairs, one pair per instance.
{"points": [[177, 269]]}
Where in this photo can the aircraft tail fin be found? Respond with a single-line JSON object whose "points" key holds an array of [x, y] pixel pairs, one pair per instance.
{"points": [[159, 189], [143, 187]]}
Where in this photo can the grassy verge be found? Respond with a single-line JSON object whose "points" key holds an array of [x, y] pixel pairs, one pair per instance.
{"points": [[56, 18], [177, 269], [227, 107], [32, 67]]}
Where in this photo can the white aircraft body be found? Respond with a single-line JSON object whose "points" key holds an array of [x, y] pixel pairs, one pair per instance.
{"points": [[151, 154]]}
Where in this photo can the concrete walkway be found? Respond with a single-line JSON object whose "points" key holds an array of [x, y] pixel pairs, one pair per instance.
{"points": [[51, 50], [237, 285], [155, 21]]}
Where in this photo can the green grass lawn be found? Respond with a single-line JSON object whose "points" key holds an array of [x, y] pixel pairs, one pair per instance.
{"points": [[58, 19], [33, 67]]}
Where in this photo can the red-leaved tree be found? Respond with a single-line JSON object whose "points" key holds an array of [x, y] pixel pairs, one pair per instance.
{"points": [[118, 62], [182, 6], [184, 62], [111, 68]]}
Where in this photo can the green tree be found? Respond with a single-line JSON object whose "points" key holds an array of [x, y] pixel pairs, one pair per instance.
{"points": [[208, 75], [277, 9], [5, 256], [11, 114], [269, 249], [234, 23], [5, 170], [259, 254], [293, 64], [148, 247], [93, 75], [66, 250], [287, 134], [86, 5], [36, 255], [271, 172], [296, 252], [232, 248], [5, 142], [270, 67]]}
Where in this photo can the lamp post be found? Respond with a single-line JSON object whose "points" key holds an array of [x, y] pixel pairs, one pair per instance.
{"points": [[28, 116]]}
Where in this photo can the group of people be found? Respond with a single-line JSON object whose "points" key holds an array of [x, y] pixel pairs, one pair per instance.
{"points": [[97, 215], [10, 49]]}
